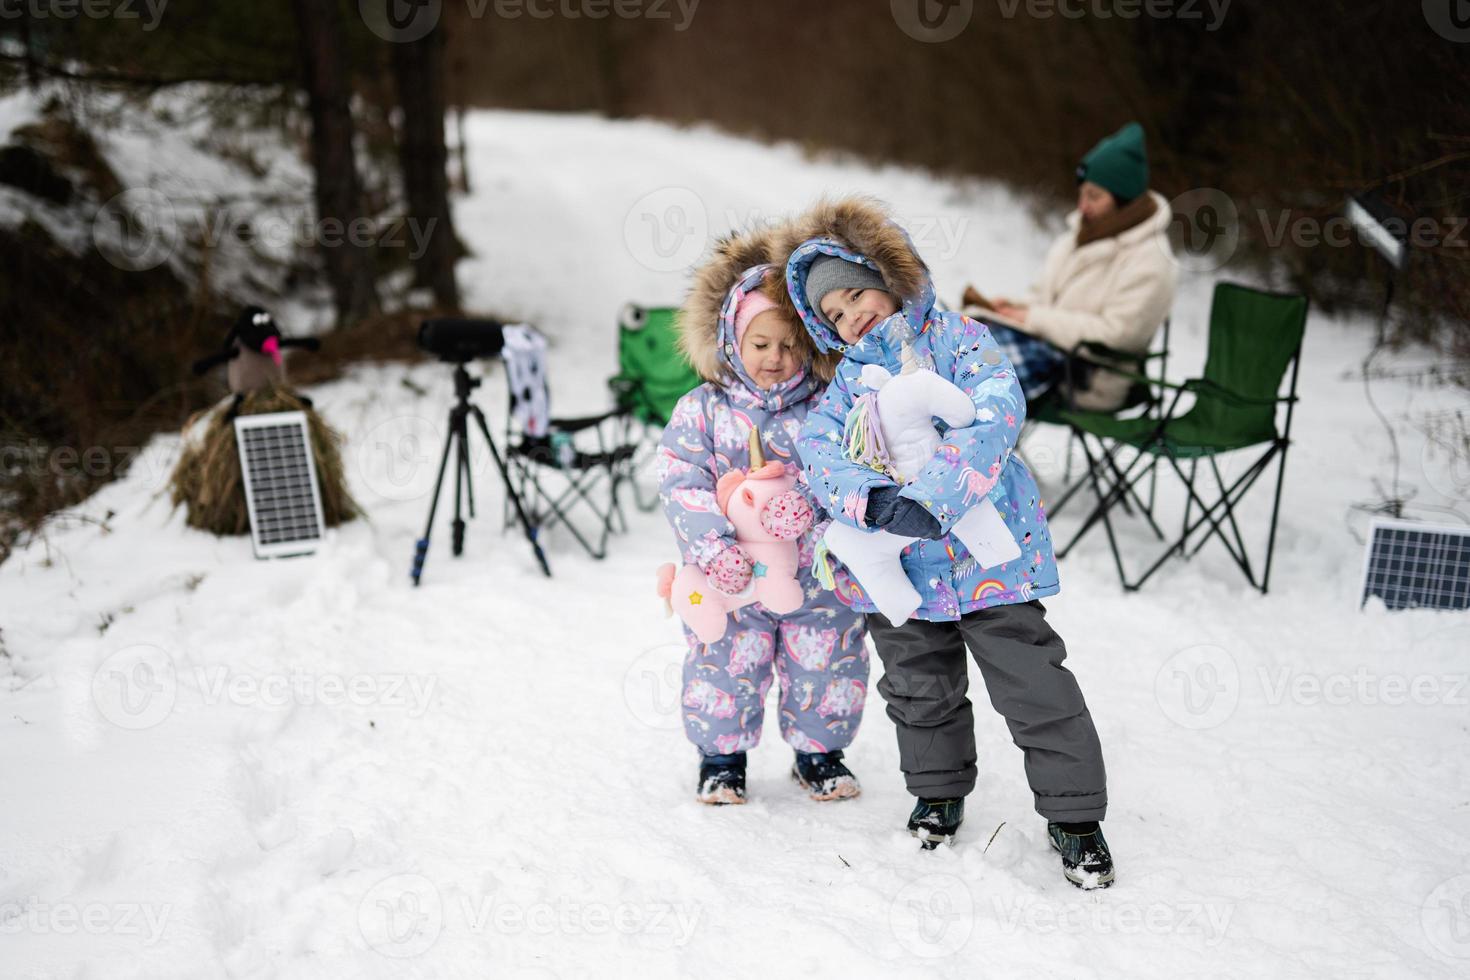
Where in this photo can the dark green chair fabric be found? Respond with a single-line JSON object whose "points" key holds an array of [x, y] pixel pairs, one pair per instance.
{"points": [[1255, 339], [652, 376]]}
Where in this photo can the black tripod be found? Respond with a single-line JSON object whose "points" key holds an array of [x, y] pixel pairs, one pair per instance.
{"points": [[458, 440]]}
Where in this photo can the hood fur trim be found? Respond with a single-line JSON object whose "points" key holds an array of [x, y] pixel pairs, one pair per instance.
{"points": [[698, 322], [865, 226], [699, 317]]}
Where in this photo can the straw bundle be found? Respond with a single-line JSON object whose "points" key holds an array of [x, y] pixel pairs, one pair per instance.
{"points": [[207, 480]]}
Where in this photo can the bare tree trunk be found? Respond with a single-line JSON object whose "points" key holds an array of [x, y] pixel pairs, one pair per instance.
{"points": [[462, 146], [455, 80], [33, 76], [347, 256], [418, 71]]}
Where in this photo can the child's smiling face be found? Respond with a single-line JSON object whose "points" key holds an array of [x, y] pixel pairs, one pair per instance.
{"points": [[856, 311], [768, 350]]}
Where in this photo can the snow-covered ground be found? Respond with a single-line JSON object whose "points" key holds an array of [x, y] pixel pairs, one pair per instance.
{"points": [[218, 766]]}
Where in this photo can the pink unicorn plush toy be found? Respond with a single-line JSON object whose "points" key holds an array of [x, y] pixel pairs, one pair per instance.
{"points": [[743, 496]]}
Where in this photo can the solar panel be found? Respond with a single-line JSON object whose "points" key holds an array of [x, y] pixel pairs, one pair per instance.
{"points": [[281, 491], [1411, 565]]}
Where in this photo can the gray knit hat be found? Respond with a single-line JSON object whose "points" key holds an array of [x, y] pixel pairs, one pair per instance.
{"points": [[829, 272]]}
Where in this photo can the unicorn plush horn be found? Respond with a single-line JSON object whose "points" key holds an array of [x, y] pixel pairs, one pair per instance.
{"points": [[742, 496], [906, 358]]}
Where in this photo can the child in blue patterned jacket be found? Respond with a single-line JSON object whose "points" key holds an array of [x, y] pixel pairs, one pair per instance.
{"points": [[759, 378], [856, 283]]}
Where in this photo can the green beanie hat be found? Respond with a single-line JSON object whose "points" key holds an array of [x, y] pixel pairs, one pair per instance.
{"points": [[1118, 164]]}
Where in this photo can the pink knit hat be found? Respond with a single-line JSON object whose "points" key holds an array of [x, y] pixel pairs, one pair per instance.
{"points": [[752, 305]]}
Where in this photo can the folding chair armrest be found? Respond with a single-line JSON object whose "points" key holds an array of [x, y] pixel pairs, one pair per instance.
{"points": [[584, 422], [1130, 375], [1103, 350], [1204, 386], [1115, 355], [1107, 359]]}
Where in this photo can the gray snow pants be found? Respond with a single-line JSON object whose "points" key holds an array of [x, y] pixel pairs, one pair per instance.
{"points": [[925, 679]]}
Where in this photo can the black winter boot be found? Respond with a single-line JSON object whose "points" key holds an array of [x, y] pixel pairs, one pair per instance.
{"points": [[1086, 861], [721, 779], [824, 777], [935, 822]]}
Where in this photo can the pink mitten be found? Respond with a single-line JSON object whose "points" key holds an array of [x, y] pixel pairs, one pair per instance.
{"points": [[730, 570], [786, 515]]}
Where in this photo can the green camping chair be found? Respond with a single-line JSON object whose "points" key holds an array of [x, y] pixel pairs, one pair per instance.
{"points": [[1255, 337], [1142, 401], [651, 379]]}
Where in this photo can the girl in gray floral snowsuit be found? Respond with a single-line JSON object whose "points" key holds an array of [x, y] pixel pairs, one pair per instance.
{"points": [[759, 375]]}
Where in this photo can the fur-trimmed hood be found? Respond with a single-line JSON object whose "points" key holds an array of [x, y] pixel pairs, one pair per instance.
{"points": [[858, 229], [740, 263], [699, 317]]}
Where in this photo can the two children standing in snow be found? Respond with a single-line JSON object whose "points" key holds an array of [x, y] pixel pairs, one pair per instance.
{"points": [[855, 284]]}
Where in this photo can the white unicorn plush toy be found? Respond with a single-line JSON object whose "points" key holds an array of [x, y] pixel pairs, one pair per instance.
{"points": [[891, 428]]}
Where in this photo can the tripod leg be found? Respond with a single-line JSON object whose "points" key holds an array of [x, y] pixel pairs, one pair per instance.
{"points": [[469, 484], [462, 434], [510, 492], [421, 547]]}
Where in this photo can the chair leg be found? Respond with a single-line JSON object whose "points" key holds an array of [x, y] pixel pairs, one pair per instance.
{"points": [[1207, 515], [1176, 548], [1228, 498], [645, 504], [1072, 488], [617, 510], [1109, 456], [555, 512], [1111, 459], [1153, 485], [579, 486], [614, 508], [1169, 552], [1275, 509], [1092, 516], [1105, 500], [640, 460], [1116, 491], [1104, 507], [1230, 515], [1100, 513], [1189, 496], [1215, 526]]}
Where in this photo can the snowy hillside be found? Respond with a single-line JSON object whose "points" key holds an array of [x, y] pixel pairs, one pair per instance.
{"points": [[190, 178], [306, 768]]}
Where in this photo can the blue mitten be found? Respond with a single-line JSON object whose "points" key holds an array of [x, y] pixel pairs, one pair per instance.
{"points": [[900, 515]]}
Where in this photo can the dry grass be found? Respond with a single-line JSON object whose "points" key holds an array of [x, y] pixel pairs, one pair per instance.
{"points": [[206, 481]]}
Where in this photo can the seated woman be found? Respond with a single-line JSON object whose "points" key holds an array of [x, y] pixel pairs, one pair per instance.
{"points": [[1108, 279]]}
